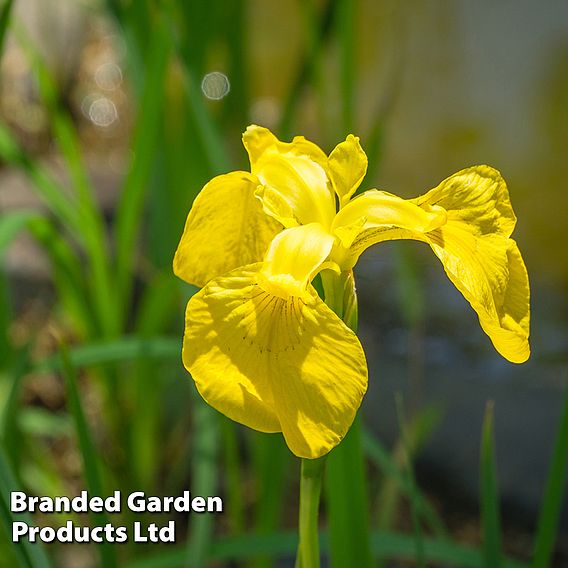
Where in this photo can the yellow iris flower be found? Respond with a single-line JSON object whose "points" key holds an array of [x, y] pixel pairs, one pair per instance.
{"points": [[261, 345]]}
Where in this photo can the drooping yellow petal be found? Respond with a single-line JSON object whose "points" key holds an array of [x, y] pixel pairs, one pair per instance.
{"points": [[296, 189], [479, 258], [273, 363], [321, 383], [467, 221], [222, 349], [347, 167], [293, 259], [225, 228], [490, 273]]}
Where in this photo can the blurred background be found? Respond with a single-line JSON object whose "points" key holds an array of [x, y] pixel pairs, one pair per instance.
{"points": [[113, 116]]}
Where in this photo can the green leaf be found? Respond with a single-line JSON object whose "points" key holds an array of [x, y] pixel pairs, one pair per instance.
{"points": [[232, 468], [11, 224], [67, 271], [191, 47], [9, 407], [410, 480], [30, 555], [116, 351], [387, 463], [272, 463], [88, 452], [490, 517], [88, 213], [204, 481], [275, 545], [347, 502], [208, 131], [49, 191], [5, 319], [40, 422], [129, 213], [5, 14], [554, 495]]}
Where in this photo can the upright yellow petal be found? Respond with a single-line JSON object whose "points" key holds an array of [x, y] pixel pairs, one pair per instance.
{"points": [[273, 363], [258, 139], [296, 189], [293, 258], [347, 167], [225, 228]]}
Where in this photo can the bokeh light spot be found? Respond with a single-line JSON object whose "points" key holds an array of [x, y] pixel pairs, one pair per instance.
{"points": [[108, 76], [215, 85], [102, 112]]}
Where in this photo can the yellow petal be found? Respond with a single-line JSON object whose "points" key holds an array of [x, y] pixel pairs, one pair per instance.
{"points": [[490, 273], [273, 363], [296, 187], [225, 228], [293, 258], [321, 383], [258, 139], [347, 167], [467, 221], [479, 258], [223, 354], [377, 216], [477, 196]]}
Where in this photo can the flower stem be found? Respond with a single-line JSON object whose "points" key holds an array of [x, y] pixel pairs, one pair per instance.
{"points": [[310, 490]]}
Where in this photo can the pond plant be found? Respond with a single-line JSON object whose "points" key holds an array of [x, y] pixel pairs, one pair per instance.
{"points": [[261, 344]]}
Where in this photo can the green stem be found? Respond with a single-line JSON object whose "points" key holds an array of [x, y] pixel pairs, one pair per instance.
{"points": [[310, 490]]}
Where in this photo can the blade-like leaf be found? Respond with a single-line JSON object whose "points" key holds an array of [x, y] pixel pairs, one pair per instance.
{"points": [[30, 555], [5, 13], [388, 465], [347, 503], [416, 525], [120, 350], [9, 409], [204, 482], [11, 224], [553, 496], [283, 544], [130, 206], [88, 452], [272, 461], [49, 191]]}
